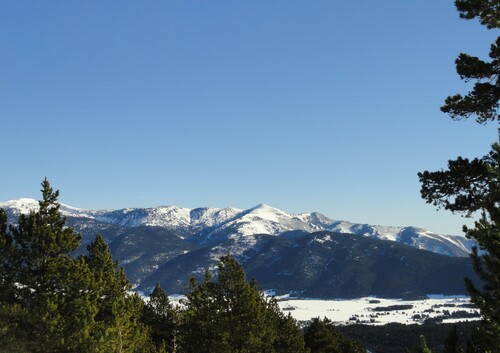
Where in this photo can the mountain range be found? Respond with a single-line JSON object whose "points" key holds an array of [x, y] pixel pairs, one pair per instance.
{"points": [[308, 254]]}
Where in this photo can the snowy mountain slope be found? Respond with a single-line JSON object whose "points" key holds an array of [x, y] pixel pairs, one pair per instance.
{"points": [[380, 232], [20, 206], [419, 238], [24, 205], [262, 219], [207, 225]]}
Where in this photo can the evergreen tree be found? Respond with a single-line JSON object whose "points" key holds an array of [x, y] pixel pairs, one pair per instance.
{"points": [[11, 337], [482, 100], [118, 327], [43, 306], [231, 315], [289, 334], [470, 186], [161, 317], [53, 302], [200, 329], [321, 336], [467, 187]]}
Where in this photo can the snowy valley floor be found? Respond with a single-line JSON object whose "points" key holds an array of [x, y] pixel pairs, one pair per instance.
{"points": [[379, 311]]}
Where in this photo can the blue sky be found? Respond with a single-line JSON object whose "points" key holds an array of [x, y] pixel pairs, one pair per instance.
{"points": [[329, 106]]}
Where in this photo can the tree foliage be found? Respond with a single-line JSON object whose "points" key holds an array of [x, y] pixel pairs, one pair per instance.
{"points": [[51, 301], [466, 186], [231, 315], [482, 100], [44, 306], [321, 336], [470, 186], [162, 318], [118, 327], [484, 10]]}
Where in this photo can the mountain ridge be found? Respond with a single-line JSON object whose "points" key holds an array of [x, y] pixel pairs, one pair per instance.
{"points": [[210, 225], [307, 254]]}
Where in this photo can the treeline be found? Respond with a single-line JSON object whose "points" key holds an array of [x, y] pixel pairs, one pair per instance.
{"points": [[394, 337], [51, 301]]}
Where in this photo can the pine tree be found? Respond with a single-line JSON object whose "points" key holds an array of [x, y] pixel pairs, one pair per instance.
{"points": [[51, 301], [118, 327], [321, 336], [12, 339], [231, 315], [200, 330], [482, 100], [289, 335], [470, 186], [161, 317], [245, 304], [43, 295]]}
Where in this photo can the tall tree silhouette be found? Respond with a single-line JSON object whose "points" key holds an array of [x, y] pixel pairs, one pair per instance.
{"points": [[470, 186]]}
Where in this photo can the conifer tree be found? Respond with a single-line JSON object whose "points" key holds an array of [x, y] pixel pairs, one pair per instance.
{"points": [[43, 296], [51, 301], [231, 315], [470, 186], [118, 327], [246, 305], [161, 317], [12, 338], [482, 101], [321, 336], [200, 320], [289, 335]]}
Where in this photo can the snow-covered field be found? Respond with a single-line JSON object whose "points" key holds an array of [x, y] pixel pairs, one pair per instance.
{"points": [[379, 311]]}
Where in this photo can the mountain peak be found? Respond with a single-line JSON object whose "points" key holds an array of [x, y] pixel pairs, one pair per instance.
{"points": [[22, 205], [262, 206], [211, 225]]}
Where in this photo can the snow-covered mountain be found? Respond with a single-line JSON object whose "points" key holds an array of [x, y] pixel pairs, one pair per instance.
{"points": [[307, 254], [214, 225]]}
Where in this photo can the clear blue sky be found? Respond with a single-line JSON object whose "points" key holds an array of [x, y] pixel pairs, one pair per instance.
{"points": [[329, 106]]}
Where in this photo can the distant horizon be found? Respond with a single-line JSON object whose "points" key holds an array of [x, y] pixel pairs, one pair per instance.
{"points": [[2, 202]]}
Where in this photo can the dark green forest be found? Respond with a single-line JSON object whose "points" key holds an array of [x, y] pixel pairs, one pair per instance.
{"points": [[398, 338]]}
